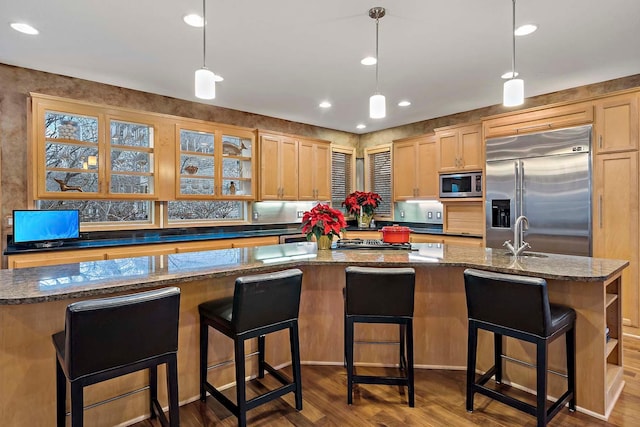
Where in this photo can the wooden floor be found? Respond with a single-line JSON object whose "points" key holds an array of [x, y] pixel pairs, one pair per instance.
{"points": [[440, 401]]}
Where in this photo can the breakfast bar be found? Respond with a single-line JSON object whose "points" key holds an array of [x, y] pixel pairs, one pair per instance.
{"points": [[33, 302]]}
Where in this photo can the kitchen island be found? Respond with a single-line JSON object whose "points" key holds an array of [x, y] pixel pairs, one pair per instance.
{"points": [[33, 300]]}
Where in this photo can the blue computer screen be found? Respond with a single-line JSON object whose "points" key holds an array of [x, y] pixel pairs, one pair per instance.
{"points": [[45, 226]]}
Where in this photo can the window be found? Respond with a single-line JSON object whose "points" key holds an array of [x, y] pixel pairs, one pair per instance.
{"points": [[190, 211], [105, 211], [378, 176], [343, 166]]}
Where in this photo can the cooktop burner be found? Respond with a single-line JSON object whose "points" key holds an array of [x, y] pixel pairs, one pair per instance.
{"points": [[369, 244]]}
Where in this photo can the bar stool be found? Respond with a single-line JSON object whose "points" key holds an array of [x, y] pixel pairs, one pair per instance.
{"points": [[380, 295], [110, 337], [518, 307], [261, 304]]}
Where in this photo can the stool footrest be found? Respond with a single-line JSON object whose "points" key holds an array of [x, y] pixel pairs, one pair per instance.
{"points": [[159, 413], [276, 374], [511, 401], [270, 395], [371, 379], [486, 376]]}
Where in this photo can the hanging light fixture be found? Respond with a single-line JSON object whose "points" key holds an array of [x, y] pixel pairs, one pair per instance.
{"points": [[377, 102], [513, 88], [205, 78]]}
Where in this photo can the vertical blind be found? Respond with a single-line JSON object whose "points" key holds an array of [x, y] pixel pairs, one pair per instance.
{"points": [[380, 180], [341, 178]]}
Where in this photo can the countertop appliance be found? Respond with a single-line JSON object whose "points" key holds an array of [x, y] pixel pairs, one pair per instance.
{"points": [[467, 184], [545, 176]]}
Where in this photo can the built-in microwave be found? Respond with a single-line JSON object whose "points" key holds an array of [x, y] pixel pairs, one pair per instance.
{"points": [[468, 184]]}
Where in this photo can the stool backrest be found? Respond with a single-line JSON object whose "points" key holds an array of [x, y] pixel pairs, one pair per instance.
{"points": [[380, 291], [511, 301], [105, 333], [266, 299]]}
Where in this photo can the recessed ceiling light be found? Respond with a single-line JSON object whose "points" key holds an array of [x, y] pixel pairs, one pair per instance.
{"points": [[194, 20], [217, 78], [404, 103], [24, 28], [369, 60], [361, 126], [325, 104], [525, 29], [507, 75]]}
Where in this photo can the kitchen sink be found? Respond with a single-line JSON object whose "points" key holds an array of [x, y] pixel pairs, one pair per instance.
{"points": [[529, 255]]}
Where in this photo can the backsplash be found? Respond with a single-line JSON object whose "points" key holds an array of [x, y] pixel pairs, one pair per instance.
{"points": [[427, 211], [279, 212]]}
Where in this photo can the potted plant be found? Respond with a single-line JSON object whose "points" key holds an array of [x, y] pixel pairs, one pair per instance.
{"points": [[362, 204], [323, 222]]}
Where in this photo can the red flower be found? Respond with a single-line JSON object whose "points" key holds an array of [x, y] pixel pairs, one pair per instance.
{"points": [[323, 220], [366, 200]]}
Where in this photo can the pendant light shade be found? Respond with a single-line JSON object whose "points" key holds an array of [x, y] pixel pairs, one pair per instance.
{"points": [[205, 84], [377, 102], [513, 92], [205, 81], [377, 106]]}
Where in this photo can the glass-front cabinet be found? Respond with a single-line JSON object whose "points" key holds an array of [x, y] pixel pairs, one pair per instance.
{"points": [[214, 162], [83, 153]]}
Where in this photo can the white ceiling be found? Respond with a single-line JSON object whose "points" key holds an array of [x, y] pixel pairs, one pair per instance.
{"points": [[281, 58]]}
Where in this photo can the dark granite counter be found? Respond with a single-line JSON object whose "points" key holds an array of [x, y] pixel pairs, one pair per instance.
{"points": [[85, 279]]}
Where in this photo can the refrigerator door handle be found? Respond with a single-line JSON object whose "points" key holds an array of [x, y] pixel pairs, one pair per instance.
{"points": [[516, 175]]}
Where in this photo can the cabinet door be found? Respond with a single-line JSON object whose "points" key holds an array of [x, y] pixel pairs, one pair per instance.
{"points": [[306, 184], [448, 148], [404, 170], [470, 146], [288, 168], [427, 170], [617, 124], [322, 168], [615, 227], [250, 242], [269, 167]]}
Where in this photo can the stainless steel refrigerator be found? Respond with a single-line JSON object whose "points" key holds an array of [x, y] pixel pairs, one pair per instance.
{"points": [[545, 176]]}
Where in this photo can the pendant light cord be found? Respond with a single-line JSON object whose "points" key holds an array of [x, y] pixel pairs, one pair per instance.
{"points": [[513, 38], [204, 34], [377, 58]]}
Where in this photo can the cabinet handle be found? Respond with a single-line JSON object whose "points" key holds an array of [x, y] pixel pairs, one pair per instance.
{"points": [[600, 210], [600, 141]]}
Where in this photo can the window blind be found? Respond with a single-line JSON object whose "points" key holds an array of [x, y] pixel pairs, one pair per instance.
{"points": [[380, 180], [341, 178]]}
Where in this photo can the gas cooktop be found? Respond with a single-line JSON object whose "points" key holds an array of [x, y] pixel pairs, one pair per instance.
{"points": [[370, 244]]}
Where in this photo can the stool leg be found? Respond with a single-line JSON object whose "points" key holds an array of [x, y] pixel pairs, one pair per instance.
{"points": [[295, 360], [61, 395], [153, 389], [541, 379], [403, 335], [241, 396], [261, 343], [77, 405], [409, 337], [172, 391], [571, 366], [204, 350], [471, 363], [348, 344], [497, 356]]}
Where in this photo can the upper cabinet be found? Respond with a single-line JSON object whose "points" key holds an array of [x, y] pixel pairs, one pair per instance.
{"points": [[460, 148], [278, 167], [214, 162], [617, 123], [539, 120], [85, 152], [415, 169], [314, 170]]}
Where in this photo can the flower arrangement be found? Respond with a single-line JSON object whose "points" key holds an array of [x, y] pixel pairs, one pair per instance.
{"points": [[362, 202], [322, 220]]}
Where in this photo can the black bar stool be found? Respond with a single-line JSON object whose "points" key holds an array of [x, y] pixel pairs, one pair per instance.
{"points": [[109, 337], [261, 304], [380, 295], [518, 307]]}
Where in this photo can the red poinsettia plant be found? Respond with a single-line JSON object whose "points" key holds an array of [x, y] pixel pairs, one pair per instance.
{"points": [[366, 200], [322, 220]]}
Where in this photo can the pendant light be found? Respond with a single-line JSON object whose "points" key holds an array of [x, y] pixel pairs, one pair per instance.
{"points": [[205, 78], [513, 88], [377, 102]]}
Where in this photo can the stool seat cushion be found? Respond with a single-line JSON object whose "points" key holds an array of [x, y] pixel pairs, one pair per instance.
{"points": [[219, 313], [561, 316], [58, 343]]}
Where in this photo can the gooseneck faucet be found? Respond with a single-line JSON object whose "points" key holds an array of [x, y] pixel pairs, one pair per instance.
{"points": [[519, 245]]}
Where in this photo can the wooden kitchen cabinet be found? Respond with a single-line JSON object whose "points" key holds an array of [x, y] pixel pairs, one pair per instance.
{"points": [[460, 148], [462, 217], [538, 120], [615, 224], [415, 168], [476, 242], [314, 167], [278, 167], [617, 123], [426, 238], [40, 259]]}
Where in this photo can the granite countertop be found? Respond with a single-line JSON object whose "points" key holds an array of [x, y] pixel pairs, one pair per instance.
{"points": [[85, 279]]}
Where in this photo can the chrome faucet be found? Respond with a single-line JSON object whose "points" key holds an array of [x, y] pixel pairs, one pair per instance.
{"points": [[519, 245]]}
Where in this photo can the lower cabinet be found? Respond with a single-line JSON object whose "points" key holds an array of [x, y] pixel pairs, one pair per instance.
{"points": [[463, 241]]}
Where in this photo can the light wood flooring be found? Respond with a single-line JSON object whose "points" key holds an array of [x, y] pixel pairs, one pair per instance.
{"points": [[440, 401]]}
